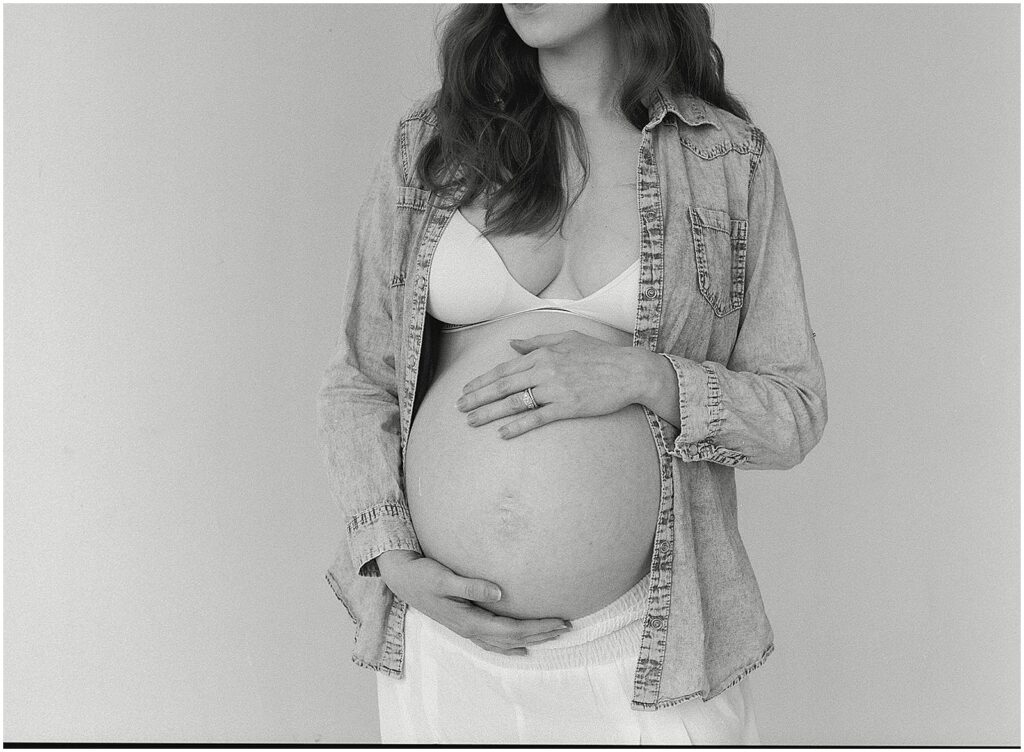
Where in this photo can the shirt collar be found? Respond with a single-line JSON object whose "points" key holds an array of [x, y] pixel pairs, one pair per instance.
{"points": [[688, 108]]}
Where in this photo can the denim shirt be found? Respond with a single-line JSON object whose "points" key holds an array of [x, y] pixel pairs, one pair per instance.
{"points": [[721, 297]]}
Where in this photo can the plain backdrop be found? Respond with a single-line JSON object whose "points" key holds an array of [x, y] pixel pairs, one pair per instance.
{"points": [[180, 189]]}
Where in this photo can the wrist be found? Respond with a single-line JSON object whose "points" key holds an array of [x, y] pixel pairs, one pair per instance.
{"points": [[651, 375], [396, 556]]}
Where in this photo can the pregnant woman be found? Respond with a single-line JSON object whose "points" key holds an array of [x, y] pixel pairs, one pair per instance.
{"points": [[575, 308]]}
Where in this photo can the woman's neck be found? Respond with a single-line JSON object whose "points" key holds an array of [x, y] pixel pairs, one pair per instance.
{"points": [[585, 75]]}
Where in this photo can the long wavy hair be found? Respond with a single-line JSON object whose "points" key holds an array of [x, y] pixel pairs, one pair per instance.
{"points": [[497, 120]]}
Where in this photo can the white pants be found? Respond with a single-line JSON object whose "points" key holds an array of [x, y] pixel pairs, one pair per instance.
{"points": [[572, 690]]}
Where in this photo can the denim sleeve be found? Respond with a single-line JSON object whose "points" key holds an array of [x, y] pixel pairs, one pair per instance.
{"points": [[767, 407], [357, 405]]}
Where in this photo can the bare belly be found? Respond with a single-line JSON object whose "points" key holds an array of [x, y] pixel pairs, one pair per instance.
{"points": [[562, 518]]}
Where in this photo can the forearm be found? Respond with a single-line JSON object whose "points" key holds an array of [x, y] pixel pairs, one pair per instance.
{"points": [[361, 450], [759, 420]]}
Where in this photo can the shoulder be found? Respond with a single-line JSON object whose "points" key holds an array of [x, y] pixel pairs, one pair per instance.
{"points": [[423, 109], [710, 131], [413, 127]]}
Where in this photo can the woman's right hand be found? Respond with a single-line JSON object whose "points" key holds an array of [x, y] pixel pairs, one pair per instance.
{"points": [[436, 591]]}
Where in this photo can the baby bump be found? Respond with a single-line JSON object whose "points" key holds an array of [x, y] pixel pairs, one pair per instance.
{"points": [[562, 518]]}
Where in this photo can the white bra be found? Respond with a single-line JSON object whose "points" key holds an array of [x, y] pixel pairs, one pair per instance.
{"points": [[470, 285]]}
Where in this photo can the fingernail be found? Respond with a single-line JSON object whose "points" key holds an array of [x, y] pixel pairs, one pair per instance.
{"points": [[503, 432], [494, 594], [461, 403], [568, 624], [471, 419]]}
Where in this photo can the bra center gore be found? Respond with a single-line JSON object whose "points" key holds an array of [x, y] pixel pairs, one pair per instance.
{"points": [[490, 246]]}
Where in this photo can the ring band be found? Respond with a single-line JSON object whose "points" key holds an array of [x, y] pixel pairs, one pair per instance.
{"points": [[528, 399]]}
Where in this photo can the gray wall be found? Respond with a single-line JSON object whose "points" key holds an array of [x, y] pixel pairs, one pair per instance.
{"points": [[180, 189]]}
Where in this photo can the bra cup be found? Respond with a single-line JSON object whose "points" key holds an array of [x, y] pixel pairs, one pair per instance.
{"points": [[466, 282], [615, 306], [469, 284]]}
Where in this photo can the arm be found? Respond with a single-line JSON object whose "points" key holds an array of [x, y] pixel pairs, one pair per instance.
{"points": [[767, 407], [357, 405]]}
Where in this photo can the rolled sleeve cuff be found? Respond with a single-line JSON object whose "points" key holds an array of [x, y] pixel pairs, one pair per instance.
{"points": [[700, 414], [381, 528]]}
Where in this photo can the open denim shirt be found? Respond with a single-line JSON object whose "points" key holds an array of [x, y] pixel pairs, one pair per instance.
{"points": [[721, 296]]}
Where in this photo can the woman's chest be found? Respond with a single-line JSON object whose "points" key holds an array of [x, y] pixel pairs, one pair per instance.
{"points": [[680, 213], [599, 236]]}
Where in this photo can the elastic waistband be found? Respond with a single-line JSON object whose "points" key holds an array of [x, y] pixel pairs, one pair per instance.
{"points": [[600, 637]]}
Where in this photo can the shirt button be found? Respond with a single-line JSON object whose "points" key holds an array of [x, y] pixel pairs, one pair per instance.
{"points": [[650, 292]]}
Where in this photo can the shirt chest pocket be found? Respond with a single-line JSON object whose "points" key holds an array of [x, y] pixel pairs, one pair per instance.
{"points": [[720, 254]]}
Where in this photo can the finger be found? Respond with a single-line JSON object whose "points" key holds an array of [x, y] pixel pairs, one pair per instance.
{"points": [[513, 404], [545, 636], [520, 639], [494, 649], [496, 390], [501, 370], [530, 420], [508, 630], [471, 589], [541, 340]]}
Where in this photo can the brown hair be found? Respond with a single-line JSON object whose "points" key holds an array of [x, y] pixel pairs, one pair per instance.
{"points": [[497, 120]]}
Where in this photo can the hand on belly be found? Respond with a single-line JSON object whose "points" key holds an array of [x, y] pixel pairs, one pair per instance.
{"points": [[556, 376]]}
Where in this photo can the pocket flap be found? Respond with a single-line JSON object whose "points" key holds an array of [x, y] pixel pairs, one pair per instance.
{"points": [[713, 219]]}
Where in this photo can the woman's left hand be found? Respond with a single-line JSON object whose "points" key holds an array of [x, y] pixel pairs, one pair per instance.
{"points": [[573, 375]]}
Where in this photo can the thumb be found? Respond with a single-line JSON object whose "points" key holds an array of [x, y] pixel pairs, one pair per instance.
{"points": [[472, 589], [532, 343]]}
